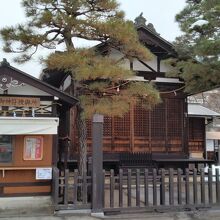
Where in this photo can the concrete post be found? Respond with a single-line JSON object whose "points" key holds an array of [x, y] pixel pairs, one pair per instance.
{"points": [[97, 165]]}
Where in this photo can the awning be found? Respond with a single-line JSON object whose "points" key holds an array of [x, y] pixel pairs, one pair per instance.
{"points": [[213, 135], [197, 110], [28, 125]]}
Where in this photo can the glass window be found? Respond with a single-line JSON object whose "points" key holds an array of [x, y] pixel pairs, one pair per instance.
{"points": [[5, 149]]}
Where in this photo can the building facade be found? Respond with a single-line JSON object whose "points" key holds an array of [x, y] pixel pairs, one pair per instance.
{"points": [[29, 124]]}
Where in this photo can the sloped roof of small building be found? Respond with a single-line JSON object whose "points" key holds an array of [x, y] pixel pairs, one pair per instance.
{"points": [[8, 70], [197, 110]]}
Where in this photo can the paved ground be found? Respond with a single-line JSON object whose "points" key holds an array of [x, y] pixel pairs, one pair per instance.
{"points": [[198, 215], [39, 208]]}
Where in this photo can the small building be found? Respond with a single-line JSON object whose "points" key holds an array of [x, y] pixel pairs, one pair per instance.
{"points": [[30, 112], [203, 135], [161, 136], [213, 140]]}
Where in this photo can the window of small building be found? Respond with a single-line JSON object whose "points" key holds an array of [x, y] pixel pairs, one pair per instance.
{"points": [[216, 144], [6, 148]]}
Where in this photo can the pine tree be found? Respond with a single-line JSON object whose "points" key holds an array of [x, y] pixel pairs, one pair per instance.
{"points": [[198, 49], [102, 84]]}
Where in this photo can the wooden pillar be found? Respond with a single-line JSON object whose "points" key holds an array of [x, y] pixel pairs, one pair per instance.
{"points": [[55, 139], [97, 164], [218, 156], [205, 147], [66, 139], [185, 136], [158, 64], [55, 150]]}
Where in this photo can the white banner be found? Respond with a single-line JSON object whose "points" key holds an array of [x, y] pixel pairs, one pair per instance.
{"points": [[213, 135], [28, 125]]}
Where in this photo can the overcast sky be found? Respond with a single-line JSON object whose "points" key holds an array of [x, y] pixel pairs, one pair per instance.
{"points": [[159, 12]]}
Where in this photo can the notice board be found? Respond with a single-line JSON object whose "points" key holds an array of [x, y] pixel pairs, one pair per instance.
{"points": [[33, 148]]}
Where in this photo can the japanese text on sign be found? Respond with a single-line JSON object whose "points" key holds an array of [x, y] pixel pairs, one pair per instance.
{"points": [[44, 173], [19, 101]]}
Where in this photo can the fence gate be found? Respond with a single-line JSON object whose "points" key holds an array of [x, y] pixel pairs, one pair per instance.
{"points": [[70, 190]]}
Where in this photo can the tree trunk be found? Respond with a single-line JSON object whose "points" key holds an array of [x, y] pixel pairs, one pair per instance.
{"points": [[81, 124]]}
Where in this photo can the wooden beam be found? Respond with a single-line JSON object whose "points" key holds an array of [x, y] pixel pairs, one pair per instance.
{"points": [[185, 136], [149, 67], [158, 64]]}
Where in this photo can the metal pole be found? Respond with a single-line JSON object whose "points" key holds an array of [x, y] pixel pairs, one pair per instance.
{"points": [[97, 165]]}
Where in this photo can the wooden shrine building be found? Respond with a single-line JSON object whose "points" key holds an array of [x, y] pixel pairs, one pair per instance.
{"points": [[29, 122], [157, 137]]}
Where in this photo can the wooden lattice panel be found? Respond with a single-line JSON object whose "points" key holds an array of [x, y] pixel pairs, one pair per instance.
{"points": [[122, 126], [107, 144], [107, 128], [196, 128], [121, 133], [174, 118], [141, 122], [158, 121], [196, 134], [140, 130]]}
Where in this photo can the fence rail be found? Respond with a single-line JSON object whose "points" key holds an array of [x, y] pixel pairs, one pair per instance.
{"points": [[161, 188], [139, 189]]}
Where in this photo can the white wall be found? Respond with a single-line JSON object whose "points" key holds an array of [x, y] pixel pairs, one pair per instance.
{"points": [[25, 90], [137, 65]]}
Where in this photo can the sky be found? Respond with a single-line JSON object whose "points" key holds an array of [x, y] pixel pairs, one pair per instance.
{"points": [[161, 13]]}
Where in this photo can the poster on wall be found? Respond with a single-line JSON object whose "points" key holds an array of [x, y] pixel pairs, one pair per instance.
{"points": [[33, 148], [44, 173]]}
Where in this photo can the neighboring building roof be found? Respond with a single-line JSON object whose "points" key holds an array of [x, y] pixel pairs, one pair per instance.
{"points": [[6, 69], [197, 110]]}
